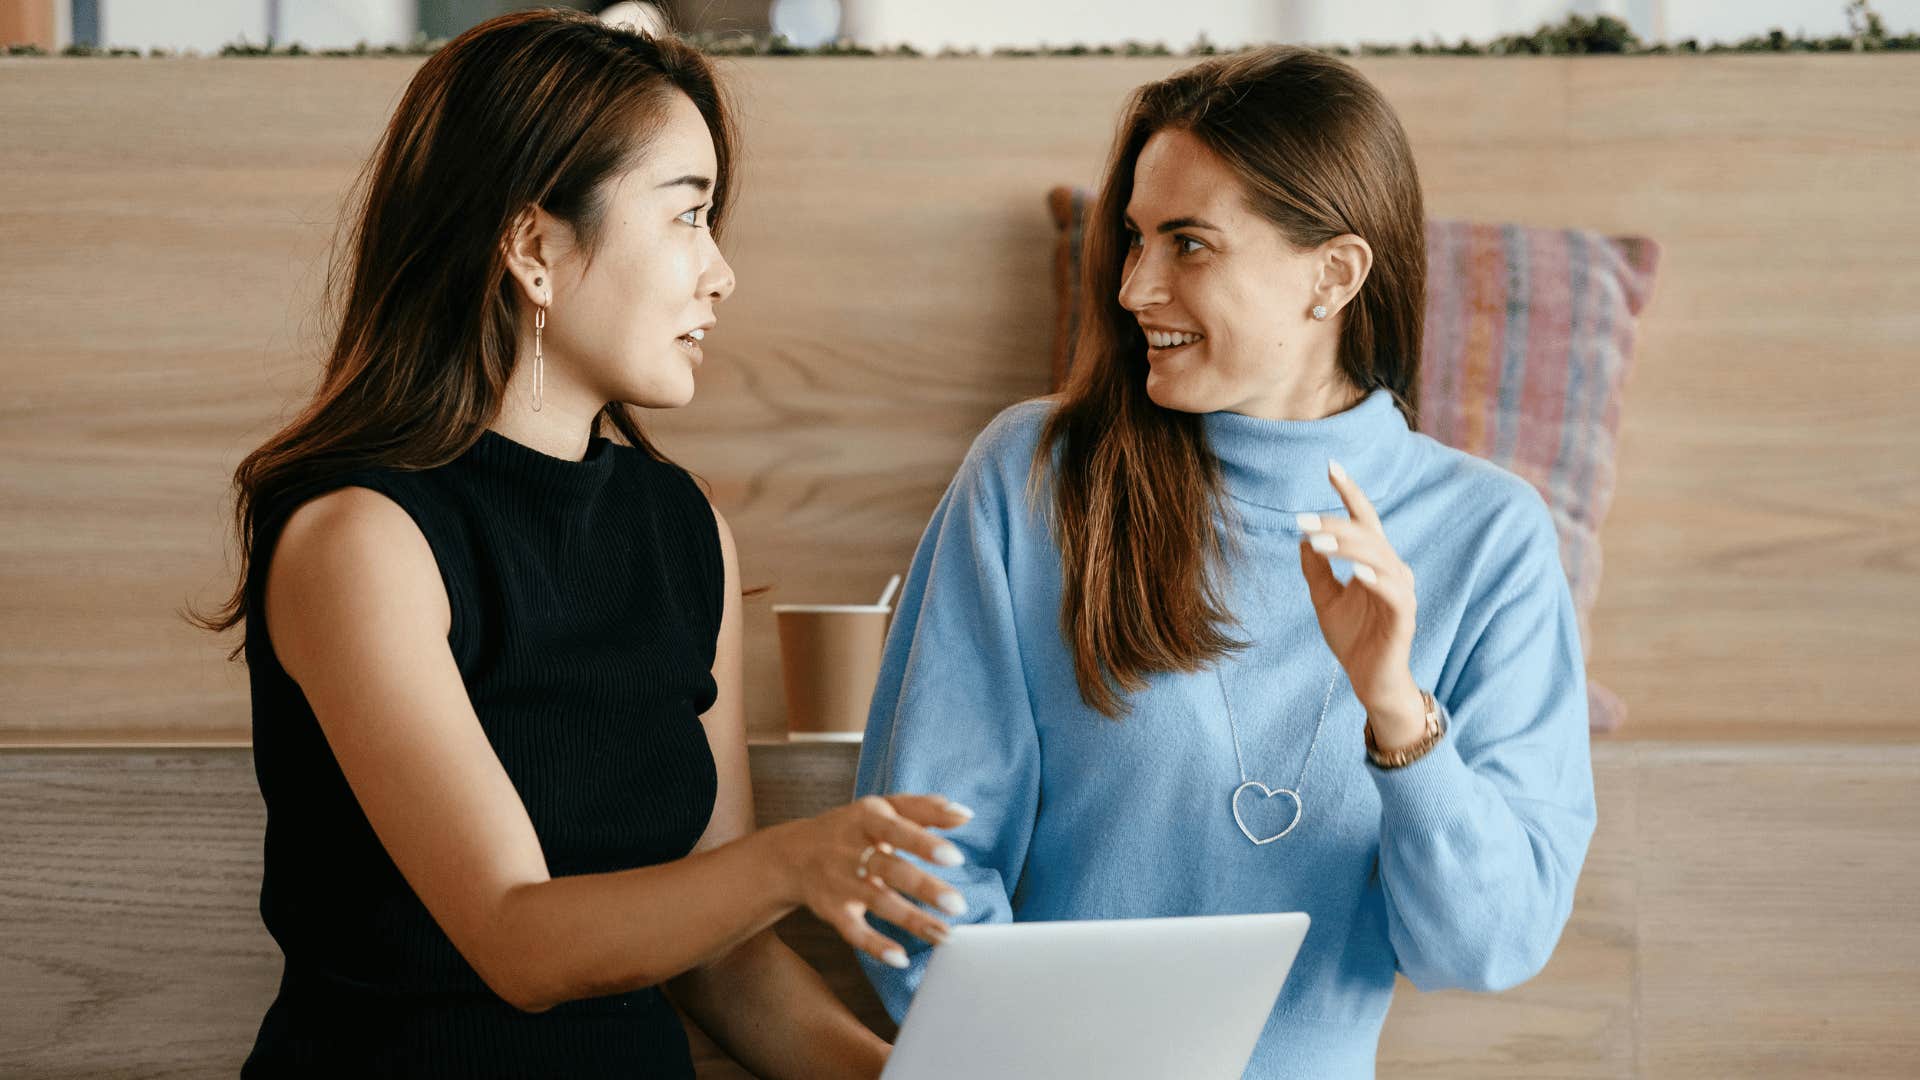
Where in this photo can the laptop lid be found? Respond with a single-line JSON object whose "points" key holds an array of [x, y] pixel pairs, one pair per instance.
{"points": [[1119, 999]]}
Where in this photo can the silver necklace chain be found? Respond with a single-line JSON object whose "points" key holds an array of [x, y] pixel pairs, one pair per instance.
{"points": [[1298, 785]]}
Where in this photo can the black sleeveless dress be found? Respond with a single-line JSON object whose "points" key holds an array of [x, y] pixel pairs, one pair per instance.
{"points": [[586, 600]]}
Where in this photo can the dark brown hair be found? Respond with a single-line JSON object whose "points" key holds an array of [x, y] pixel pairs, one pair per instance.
{"points": [[1135, 488], [539, 108]]}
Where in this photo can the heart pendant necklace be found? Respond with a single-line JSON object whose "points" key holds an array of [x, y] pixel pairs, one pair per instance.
{"points": [[1264, 791]]}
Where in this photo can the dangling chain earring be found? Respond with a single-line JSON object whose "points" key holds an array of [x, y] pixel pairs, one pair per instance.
{"points": [[539, 360]]}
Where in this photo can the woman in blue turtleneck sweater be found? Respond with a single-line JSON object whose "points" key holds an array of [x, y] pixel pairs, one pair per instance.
{"points": [[1216, 631]]}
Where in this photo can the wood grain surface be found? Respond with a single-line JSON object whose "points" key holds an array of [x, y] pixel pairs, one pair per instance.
{"points": [[167, 221], [1745, 911]]}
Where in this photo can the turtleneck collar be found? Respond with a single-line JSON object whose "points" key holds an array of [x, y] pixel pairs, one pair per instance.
{"points": [[497, 453], [1280, 466]]}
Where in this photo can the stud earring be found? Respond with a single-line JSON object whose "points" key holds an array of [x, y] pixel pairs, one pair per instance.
{"points": [[1319, 311], [539, 360]]}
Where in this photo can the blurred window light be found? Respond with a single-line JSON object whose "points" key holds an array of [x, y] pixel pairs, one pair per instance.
{"points": [[807, 23], [1026, 24]]}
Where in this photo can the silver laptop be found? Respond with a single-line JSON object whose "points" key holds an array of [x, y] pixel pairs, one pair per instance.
{"points": [[1117, 999]]}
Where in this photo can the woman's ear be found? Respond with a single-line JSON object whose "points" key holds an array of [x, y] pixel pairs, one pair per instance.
{"points": [[531, 245], [1345, 262]]}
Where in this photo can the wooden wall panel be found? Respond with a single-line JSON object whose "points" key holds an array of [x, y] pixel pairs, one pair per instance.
{"points": [[166, 223]]}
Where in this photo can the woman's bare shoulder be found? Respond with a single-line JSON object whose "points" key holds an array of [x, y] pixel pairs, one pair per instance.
{"points": [[343, 561]]}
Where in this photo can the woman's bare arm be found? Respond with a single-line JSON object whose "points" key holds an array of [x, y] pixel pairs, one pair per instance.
{"points": [[358, 616]]}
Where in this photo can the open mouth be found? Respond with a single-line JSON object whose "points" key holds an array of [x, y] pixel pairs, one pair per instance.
{"points": [[691, 340], [1166, 341]]}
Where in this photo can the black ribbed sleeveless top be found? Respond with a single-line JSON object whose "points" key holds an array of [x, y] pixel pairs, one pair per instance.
{"points": [[586, 599]]}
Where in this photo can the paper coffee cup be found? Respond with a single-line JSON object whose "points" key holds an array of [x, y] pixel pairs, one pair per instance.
{"points": [[829, 663]]}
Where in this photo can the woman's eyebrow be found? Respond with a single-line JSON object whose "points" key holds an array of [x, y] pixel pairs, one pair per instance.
{"points": [[1187, 223], [698, 183], [1172, 224]]}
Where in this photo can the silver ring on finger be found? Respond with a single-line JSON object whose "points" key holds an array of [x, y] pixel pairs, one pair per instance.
{"points": [[866, 856]]}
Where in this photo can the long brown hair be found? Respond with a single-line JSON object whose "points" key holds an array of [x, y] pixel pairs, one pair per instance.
{"points": [[538, 108], [1135, 487]]}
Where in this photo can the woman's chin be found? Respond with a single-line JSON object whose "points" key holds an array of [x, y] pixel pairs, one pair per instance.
{"points": [[1175, 393], [668, 392], [667, 401]]}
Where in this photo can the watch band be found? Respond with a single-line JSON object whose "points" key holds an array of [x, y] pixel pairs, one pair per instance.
{"points": [[1395, 759]]}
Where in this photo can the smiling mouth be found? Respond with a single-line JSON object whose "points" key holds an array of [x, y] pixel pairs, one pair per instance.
{"points": [[1166, 341]]}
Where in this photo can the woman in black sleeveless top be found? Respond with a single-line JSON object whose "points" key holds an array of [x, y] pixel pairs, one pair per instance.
{"points": [[495, 656]]}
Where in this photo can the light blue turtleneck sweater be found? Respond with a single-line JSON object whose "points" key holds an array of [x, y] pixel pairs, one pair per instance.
{"points": [[1457, 870]]}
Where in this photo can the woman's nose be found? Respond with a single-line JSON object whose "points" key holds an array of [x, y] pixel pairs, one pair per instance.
{"points": [[1144, 286], [717, 283]]}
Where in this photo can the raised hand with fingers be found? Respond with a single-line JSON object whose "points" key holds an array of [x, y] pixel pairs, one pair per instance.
{"points": [[1367, 622]]}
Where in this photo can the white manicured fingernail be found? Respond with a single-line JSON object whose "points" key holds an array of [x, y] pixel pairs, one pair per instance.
{"points": [[1364, 573], [947, 855], [1334, 470], [1307, 522], [953, 903], [896, 958], [1324, 542], [963, 811]]}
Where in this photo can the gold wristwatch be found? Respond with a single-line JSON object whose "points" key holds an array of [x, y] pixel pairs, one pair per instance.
{"points": [[1394, 759]]}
